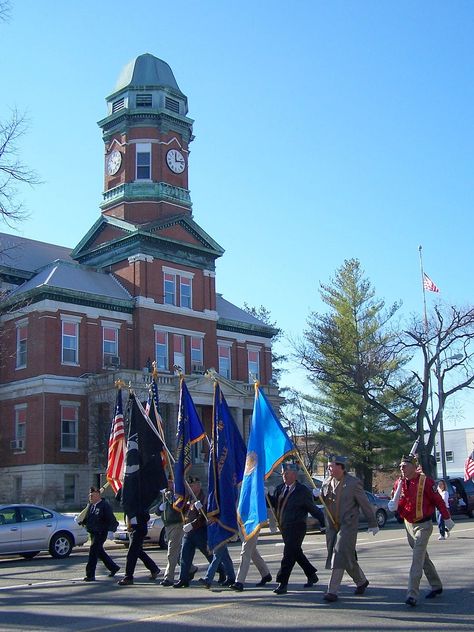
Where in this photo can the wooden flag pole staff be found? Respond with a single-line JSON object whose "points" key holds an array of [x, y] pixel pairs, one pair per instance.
{"points": [[300, 458]]}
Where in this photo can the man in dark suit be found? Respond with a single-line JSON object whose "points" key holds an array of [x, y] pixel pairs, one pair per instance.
{"points": [[100, 522], [291, 503], [138, 529]]}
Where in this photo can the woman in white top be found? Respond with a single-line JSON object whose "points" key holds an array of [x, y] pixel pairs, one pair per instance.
{"points": [[443, 492]]}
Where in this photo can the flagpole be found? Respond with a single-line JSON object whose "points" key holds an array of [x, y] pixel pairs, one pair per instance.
{"points": [[427, 341], [310, 479], [423, 288]]}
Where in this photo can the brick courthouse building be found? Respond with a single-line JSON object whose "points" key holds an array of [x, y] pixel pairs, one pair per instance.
{"points": [[139, 286]]}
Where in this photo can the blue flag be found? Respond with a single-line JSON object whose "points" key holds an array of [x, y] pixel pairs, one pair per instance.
{"points": [[190, 431], [226, 470], [268, 445]]}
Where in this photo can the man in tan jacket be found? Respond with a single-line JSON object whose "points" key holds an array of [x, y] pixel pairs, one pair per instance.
{"points": [[343, 495]]}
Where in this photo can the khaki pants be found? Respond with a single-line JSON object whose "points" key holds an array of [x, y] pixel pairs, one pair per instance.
{"points": [[249, 553], [418, 536], [174, 533]]}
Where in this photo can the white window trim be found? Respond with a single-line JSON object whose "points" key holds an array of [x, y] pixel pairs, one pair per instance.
{"points": [[70, 319], [225, 343], [181, 293], [177, 330], [77, 406], [110, 324], [201, 340], [138, 149], [19, 325], [176, 271], [165, 331]]}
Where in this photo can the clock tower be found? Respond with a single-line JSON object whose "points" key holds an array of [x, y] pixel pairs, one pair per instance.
{"points": [[146, 136]]}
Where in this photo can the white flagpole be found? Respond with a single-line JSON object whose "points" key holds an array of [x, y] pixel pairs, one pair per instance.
{"points": [[423, 288]]}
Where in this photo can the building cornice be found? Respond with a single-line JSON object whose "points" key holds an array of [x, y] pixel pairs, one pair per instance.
{"points": [[148, 192]]}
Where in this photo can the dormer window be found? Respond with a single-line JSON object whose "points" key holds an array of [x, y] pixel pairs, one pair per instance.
{"points": [[118, 105], [172, 104], [144, 101]]}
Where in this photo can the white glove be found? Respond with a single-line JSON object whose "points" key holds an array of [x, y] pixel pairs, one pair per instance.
{"points": [[316, 492], [161, 507], [392, 505], [187, 527], [271, 489], [449, 524], [373, 530], [133, 520], [198, 505], [110, 535]]}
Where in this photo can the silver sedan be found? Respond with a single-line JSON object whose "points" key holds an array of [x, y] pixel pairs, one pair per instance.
{"points": [[28, 529]]}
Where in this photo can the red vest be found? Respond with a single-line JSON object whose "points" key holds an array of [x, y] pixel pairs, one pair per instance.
{"points": [[419, 498]]}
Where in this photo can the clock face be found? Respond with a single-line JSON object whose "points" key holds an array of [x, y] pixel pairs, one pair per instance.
{"points": [[175, 161], [114, 161]]}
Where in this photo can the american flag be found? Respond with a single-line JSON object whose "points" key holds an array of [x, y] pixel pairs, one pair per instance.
{"points": [[469, 467], [115, 462], [428, 284], [152, 410]]}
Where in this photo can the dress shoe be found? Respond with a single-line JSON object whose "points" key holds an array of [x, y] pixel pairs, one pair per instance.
{"points": [[360, 590], [434, 593], [114, 572], [330, 597], [154, 574], [166, 582], [264, 580], [314, 579], [281, 589], [410, 601], [89, 579], [237, 586], [180, 584], [228, 582], [125, 581], [204, 583]]}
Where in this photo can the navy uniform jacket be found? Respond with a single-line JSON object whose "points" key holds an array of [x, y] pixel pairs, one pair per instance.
{"points": [[294, 510], [100, 518]]}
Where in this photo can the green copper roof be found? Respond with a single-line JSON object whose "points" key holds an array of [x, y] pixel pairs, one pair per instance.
{"points": [[146, 70]]}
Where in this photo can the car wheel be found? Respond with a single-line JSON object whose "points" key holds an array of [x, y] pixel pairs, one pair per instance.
{"points": [[60, 545], [163, 542], [381, 518], [30, 555]]}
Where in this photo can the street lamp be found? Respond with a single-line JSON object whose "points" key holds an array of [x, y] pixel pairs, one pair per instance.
{"points": [[442, 450]]}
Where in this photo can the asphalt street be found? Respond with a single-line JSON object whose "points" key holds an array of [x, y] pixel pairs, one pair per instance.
{"points": [[48, 594]]}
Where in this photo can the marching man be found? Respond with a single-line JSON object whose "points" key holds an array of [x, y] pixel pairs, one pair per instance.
{"points": [[415, 497]]}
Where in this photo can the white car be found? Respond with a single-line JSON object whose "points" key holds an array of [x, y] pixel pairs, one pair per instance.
{"points": [[156, 533], [28, 529]]}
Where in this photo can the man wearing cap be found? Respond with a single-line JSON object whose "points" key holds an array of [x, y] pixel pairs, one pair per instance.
{"points": [[416, 497], [101, 523], [173, 521], [291, 502], [343, 495], [195, 532]]}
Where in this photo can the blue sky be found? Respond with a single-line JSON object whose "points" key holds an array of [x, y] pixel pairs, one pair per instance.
{"points": [[324, 131]]}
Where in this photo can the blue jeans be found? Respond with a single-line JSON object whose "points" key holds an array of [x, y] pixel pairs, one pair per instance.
{"points": [[196, 539], [441, 525], [221, 556]]}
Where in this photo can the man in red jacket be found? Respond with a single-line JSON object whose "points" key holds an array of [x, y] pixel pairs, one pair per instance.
{"points": [[417, 501]]}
